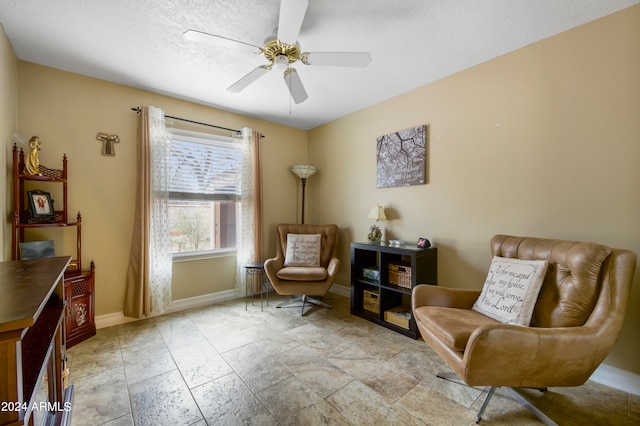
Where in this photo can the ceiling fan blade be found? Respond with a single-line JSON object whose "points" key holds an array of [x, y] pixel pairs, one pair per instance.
{"points": [[291, 15], [216, 40], [337, 59], [242, 84], [295, 86]]}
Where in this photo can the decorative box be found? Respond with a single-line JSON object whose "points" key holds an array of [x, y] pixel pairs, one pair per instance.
{"points": [[371, 273], [400, 275], [370, 301], [400, 315]]}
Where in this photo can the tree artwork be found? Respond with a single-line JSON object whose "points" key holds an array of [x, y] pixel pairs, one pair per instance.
{"points": [[401, 158]]}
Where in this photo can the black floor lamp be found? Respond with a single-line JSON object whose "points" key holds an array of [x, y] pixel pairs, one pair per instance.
{"points": [[303, 171]]}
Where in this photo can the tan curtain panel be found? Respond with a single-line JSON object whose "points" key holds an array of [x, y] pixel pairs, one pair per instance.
{"points": [[257, 190], [148, 289], [249, 214], [137, 300]]}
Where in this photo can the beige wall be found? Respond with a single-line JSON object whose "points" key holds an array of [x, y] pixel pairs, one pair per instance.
{"points": [[8, 125], [67, 111], [544, 141]]}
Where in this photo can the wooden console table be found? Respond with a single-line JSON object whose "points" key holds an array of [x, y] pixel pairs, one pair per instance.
{"points": [[32, 343]]}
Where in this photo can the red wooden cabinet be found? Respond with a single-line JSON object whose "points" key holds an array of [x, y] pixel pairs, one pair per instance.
{"points": [[79, 295]]}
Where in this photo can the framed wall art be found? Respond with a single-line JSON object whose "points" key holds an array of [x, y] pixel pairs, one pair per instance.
{"points": [[402, 158]]}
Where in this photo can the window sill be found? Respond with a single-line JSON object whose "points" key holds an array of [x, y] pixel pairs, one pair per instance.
{"points": [[187, 257]]}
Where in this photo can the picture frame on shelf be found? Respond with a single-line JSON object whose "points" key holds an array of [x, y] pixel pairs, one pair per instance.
{"points": [[36, 249], [41, 205]]}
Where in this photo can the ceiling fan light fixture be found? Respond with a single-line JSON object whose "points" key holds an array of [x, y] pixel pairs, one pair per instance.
{"points": [[274, 48], [281, 62]]}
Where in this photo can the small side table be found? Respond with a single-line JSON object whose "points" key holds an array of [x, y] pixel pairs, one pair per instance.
{"points": [[255, 279]]}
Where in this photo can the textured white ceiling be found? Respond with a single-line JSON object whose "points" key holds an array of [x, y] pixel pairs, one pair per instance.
{"points": [[139, 43]]}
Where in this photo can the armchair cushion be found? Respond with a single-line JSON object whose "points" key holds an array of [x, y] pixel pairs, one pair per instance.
{"points": [[511, 290], [302, 273], [452, 326], [302, 250]]}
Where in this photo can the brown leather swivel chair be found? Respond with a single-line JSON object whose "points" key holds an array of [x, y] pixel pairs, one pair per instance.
{"points": [[576, 320], [304, 281]]}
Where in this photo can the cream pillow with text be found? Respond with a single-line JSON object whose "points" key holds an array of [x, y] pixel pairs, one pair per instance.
{"points": [[303, 250], [511, 290]]}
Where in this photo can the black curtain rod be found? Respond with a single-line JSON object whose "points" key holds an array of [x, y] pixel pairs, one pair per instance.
{"points": [[137, 110]]}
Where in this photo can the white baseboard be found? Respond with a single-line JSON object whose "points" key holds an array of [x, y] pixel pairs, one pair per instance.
{"points": [[114, 318], [617, 378], [340, 290], [117, 318], [605, 374], [204, 300]]}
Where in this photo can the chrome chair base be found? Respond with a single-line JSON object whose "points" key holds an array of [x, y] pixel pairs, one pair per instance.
{"points": [[513, 392], [304, 299]]}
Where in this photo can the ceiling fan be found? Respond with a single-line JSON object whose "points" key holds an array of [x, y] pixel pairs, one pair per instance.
{"points": [[282, 50]]}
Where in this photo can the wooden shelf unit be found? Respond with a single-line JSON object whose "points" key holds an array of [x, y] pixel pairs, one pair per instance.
{"points": [[78, 285], [423, 264]]}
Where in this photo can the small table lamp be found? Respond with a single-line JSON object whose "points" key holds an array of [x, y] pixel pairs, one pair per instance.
{"points": [[376, 213], [303, 171]]}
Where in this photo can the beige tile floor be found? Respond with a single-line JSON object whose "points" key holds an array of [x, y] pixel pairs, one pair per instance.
{"points": [[224, 365]]}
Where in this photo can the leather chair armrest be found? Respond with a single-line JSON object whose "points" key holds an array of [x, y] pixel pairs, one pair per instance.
{"points": [[332, 267], [271, 268], [430, 295], [499, 354]]}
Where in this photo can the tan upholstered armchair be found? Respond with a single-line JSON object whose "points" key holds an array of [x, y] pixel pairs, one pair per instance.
{"points": [[576, 320], [304, 280]]}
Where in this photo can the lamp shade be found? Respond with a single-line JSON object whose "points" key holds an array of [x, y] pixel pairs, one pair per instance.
{"points": [[377, 213], [303, 171]]}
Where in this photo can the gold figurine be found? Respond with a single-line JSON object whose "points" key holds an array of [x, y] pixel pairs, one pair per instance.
{"points": [[32, 165]]}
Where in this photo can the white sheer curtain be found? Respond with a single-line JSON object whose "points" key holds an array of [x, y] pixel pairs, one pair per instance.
{"points": [[161, 259], [150, 266], [249, 213]]}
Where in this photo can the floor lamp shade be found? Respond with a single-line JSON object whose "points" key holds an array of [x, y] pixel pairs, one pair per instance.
{"points": [[303, 171]]}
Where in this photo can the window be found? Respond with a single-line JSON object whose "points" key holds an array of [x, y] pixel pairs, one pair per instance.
{"points": [[204, 190]]}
